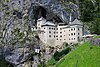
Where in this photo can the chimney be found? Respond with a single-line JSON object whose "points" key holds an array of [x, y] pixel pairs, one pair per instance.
{"points": [[70, 19]]}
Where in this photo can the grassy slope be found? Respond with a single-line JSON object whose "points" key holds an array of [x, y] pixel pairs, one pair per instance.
{"points": [[83, 56], [51, 62]]}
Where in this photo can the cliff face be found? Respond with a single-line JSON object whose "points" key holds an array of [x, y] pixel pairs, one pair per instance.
{"points": [[16, 20]]}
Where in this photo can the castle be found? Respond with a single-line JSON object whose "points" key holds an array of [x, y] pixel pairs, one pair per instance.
{"points": [[52, 34]]}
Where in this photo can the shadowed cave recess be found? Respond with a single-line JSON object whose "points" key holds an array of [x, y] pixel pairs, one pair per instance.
{"points": [[40, 11]]}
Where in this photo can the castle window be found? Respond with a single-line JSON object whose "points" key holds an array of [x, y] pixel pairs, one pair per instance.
{"points": [[70, 43], [54, 32], [69, 38], [54, 36], [49, 35], [78, 38], [60, 39], [52, 28], [78, 34], [60, 32], [74, 28], [57, 39], [64, 39], [44, 28], [71, 29], [64, 35], [78, 29], [57, 28], [49, 28], [49, 31], [60, 29], [74, 33], [74, 38], [60, 35], [71, 33]]}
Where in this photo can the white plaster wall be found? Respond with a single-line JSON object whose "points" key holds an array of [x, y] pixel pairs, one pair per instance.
{"points": [[55, 38]]}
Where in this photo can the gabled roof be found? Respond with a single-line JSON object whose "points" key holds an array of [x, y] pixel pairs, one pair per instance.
{"points": [[76, 22]]}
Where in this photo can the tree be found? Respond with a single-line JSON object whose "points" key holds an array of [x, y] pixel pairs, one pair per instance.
{"points": [[90, 14], [56, 56]]}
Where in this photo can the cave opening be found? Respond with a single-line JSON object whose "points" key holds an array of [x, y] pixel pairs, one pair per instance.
{"points": [[39, 11], [42, 12]]}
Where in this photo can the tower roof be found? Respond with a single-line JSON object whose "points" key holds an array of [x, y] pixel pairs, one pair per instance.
{"points": [[76, 22]]}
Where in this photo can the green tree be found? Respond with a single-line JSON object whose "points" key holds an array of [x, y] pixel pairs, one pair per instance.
{"points": [[56, 56]]}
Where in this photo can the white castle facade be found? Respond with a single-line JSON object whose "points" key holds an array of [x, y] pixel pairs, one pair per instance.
{"points": [[56, 34]]}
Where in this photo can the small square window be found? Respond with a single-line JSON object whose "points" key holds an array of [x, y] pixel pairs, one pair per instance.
{"points": [[78, 29], [71, 33], [71, 29], [78, 38], [54, 36], [60, 35], [78, 34], [49, 35], [74, 33], [74, 28], [49, 31]]}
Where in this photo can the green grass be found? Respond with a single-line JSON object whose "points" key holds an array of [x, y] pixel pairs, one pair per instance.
{"points": [[84, 56], [51, 62]]}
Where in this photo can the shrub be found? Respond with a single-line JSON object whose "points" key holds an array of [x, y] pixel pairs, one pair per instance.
{"points": [[56, 56]]}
